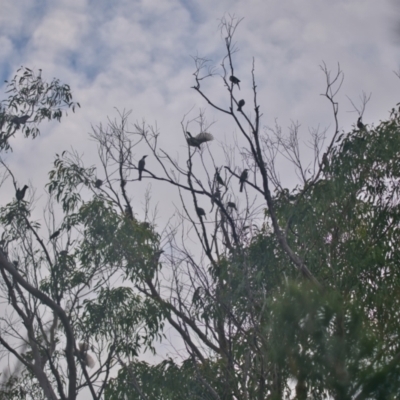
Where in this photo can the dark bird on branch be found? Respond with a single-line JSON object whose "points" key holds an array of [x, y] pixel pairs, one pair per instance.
{"points": [[231, 204], [128, 212], [218, 178], [98, 183], [360, 125], [141, 165], [243, 178], [234, 80], [196, 141], [20, 194], [240, 105], [216, 196], [55, 234], [200, 212], [19, 120], [325, 160]]}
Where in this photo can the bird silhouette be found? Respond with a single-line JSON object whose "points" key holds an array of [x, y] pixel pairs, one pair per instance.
{"points": [[196, 141], [360, 125], [20, 194], [234, 80], [55, 234], [141, 165], [325, 160], [98, 183], [200, 212], [128, 212], [19, 120], [243, 178], [218, 178], [231, 204], [240, 105]]}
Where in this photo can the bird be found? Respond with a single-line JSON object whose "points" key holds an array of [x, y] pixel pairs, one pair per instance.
{"points": [[200, 212], [19, 120], [231, 204], [218, 178], [241, 104], [55, 234], [141, 165], [196, 141], [360, 125], [21, 193], [325, 160], [84, 356], [98, 183], [128, 212], [243, 178], [234, 80]]}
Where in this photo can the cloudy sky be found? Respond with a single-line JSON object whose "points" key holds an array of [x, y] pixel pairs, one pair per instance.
{"points": [[136, 55]]}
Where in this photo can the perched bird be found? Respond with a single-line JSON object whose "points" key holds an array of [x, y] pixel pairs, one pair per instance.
{"points": [[20, 194], [234, 80], [55, 234], [98, 183], [200, 212], [141, 165], [360, 125], [216, 195], [19, 120], [231, 204], [243, 178], [196, 141], [240, 105], [84, 356], [218, 178], [325, 160], [128, 212]]}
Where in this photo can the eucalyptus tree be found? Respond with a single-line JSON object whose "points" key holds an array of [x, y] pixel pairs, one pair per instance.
{"points": [[288, 292]]}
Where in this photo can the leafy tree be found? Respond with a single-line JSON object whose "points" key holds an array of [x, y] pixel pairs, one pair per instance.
{"points": [[291, 295]]}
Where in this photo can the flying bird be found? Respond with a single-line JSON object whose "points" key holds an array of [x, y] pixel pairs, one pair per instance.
{"points": [[243, 178], [360, 125], [98, 183], [20, 194], [141, 165], [240, 105], [234, 80], [196, 141], [200, 212]]}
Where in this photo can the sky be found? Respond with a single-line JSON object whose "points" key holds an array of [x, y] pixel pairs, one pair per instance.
{"points": [[138, 55]]}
